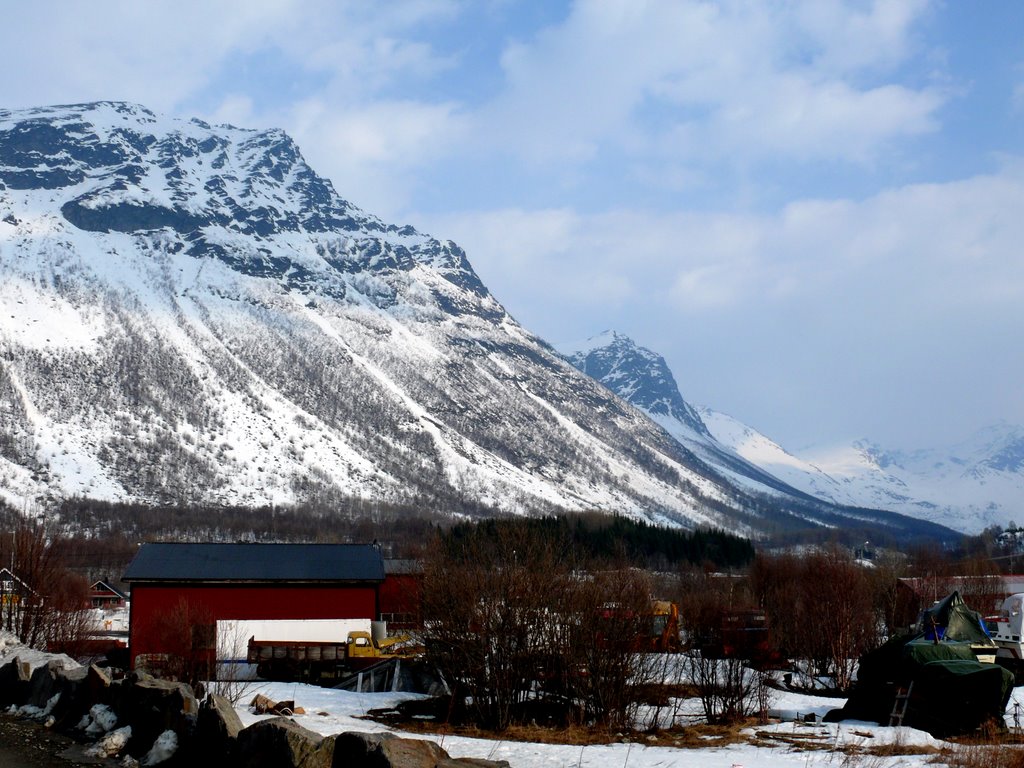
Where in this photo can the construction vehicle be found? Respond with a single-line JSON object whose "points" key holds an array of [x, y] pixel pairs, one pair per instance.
{"points": [[655, 629], [664, 637], [324, 662]]}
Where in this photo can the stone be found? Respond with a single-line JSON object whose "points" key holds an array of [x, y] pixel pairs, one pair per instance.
{"points": [[15, 676], [282, 743], [385, 750], [151, 706], [217, 727]]}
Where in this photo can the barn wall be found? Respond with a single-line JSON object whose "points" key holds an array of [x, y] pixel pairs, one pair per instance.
{"points": [[158, 610], [401, 600]]}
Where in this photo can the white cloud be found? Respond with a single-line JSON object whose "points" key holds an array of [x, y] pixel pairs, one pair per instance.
{"points": [[372, 153], [234, 109], [679, 89], [702, 82], [156, 53], [930, 248], [829, 317]]}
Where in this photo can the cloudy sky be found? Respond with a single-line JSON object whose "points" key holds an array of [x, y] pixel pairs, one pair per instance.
{"points": [[814, 210]]}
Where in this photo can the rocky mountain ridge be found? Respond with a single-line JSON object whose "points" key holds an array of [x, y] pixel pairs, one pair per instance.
{"points": [[190, 313]]}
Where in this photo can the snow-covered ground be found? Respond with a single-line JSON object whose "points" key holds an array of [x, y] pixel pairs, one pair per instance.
{"points": [[788, 742], [329, 712]]}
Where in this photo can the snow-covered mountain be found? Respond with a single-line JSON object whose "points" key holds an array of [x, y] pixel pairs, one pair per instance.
{"points": [[642, 377], [190, 314], [965, 487]]}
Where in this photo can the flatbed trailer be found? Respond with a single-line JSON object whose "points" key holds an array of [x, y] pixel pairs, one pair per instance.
{"points": [[324, 663]]}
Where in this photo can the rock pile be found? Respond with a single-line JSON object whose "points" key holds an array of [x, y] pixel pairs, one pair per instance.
{"points": [[145, 721]]}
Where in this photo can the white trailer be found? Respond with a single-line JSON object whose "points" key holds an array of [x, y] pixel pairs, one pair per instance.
{"points": [[1007, 629]]}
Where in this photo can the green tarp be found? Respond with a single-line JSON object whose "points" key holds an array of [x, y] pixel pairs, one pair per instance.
{"points": [[952, 692], [951, 620]]}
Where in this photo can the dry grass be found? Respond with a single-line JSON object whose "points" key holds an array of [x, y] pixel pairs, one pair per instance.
{"points": [[572, 734], [989, 751], [689, 737], [703, 736], [895, 748], [983, 756]]}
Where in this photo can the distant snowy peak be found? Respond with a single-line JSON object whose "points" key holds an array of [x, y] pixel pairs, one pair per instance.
{"points": [[967, 487], [635, 374], [1009, 457], [642, 378], [997, 449], [799, 473]]}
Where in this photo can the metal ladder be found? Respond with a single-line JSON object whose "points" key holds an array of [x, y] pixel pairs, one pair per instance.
{"points": [[899, 706]]}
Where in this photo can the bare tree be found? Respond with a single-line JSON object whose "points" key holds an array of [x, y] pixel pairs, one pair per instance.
{"points": [[487, 608], [43, 604], [188, 635], [821, 610], [718, 657], [515, 627], [847, 626], [605, 624]]}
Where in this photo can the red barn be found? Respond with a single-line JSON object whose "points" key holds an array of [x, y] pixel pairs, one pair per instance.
{"points": [[401, 595], [182, 590]]}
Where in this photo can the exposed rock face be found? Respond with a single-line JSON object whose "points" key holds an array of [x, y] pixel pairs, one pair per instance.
{"points": [[15, 677], [150, 707], [218, 726]]}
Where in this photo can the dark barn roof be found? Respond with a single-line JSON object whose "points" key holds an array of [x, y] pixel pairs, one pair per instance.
{"points": [[256, 562]]}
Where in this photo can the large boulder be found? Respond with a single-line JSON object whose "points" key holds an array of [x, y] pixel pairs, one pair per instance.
{"points": [[59, 690], [385, 750], [97, 685], [217, 728], [282, 743], [15, 676], [151, 706]]}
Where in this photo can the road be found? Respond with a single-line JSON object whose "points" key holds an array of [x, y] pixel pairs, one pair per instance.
{"points": [[28, 745]]}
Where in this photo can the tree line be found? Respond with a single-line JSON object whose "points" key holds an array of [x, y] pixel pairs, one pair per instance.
{"points": [[542, 618]]}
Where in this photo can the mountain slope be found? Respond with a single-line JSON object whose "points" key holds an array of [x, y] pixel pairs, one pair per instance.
{"points": [[966, 487], [190, 313]]}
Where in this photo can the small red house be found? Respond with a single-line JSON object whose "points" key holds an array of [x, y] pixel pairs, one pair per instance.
{"points": [[103, 595], [178, 588]]}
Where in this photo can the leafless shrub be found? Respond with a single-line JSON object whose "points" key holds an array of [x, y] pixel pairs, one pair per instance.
{"points": [[523, 634], [488, 608], [188, 639], [729, 691], [821, 608], [606, 614], [42, 603], [232, 680]]}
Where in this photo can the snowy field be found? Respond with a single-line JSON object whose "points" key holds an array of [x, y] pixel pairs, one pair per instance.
{"points": [[329, 711]]}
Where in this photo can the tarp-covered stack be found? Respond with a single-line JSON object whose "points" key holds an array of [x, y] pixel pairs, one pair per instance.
{"points": [[952, 691]]}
